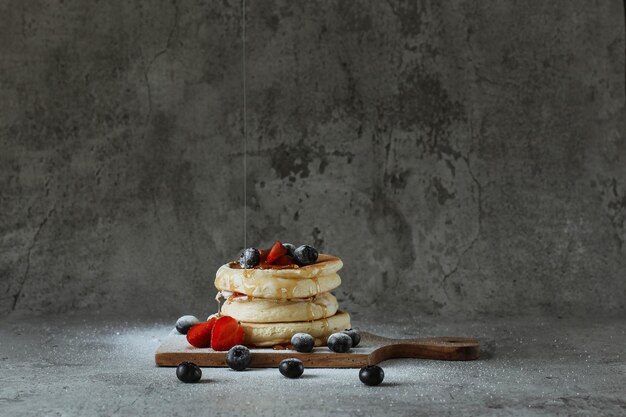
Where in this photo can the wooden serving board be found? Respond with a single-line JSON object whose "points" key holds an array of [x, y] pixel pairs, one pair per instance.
{"points": [[372, 350]]}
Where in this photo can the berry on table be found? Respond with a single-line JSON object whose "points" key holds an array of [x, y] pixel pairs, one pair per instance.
{"points": [[188, 372], [238, 358], [291, 368], [354, 335], [302, 342], [339, 342], [305, 255], [185, 323], [371, 375], [249, 258]]}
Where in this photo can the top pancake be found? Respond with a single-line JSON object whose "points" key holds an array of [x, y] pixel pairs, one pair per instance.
{"points": [[325, 265], [286, 283]]}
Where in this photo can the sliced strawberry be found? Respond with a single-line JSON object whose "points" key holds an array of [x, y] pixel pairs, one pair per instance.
{"points": [[200, 334], [263, 262], [276, 252], [284, 260], [226, 333]]}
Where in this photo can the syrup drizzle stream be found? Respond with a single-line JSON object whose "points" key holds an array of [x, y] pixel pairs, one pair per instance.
{"points": [[245, 128], [245, 133]]}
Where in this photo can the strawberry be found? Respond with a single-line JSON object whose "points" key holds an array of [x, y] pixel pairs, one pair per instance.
{"points": [[226, 333], [200, 334], [263, 263], [284, 260], [276, 252]]}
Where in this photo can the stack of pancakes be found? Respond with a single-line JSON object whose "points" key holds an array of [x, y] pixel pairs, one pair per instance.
{"points": [[275, 303]]}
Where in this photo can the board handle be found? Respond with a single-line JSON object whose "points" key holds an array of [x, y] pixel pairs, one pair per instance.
{"points": [[439, 348]]}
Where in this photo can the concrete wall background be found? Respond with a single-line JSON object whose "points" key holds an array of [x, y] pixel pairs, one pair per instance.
{"points": [[466, 158]]}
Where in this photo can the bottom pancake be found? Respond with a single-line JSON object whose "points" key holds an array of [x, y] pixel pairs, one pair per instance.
{"points": [[270, 334]]}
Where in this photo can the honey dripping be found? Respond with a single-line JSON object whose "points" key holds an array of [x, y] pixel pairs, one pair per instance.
{"points": [[219, 303], [249, 289], [286, 292], [324, 310], [310, 312], [317, 285], [281, 294]]}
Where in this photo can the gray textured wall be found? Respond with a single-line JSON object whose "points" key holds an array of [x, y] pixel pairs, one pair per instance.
{"points": [[461, 158]]}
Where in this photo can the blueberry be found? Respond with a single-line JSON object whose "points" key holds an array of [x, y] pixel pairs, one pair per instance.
{"points": [[305, 255], [189, 372], [371, 375], [354, 335], [238, 358], [290, 248], [291, 368], [249, 258], [303, 342], [339, 342], [184, 323]]}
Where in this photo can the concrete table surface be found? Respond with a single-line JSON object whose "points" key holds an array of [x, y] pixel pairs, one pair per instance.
{"points": [[102, 366]]}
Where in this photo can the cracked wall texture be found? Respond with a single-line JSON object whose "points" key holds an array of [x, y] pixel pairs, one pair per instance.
{"points": [[465, 158]]}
